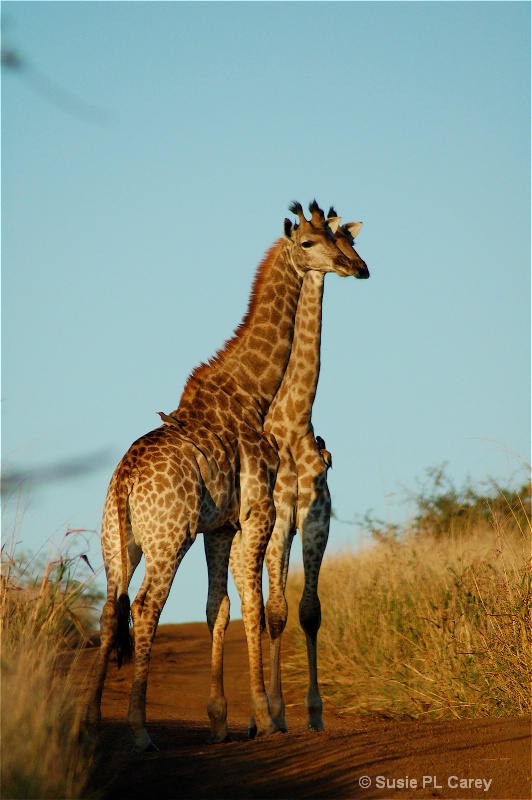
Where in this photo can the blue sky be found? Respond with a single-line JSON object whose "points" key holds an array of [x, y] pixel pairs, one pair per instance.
{"points": [[150, 152]]}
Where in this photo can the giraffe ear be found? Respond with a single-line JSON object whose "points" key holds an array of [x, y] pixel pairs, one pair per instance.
{"points": [[353, 228], [287, 229], [333, 223]]}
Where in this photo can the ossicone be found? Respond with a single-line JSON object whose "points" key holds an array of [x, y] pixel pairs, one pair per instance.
{"points": [[318, 217], [297, 208]]}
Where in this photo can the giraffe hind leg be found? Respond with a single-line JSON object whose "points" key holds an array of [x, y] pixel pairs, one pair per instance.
{"points": [[256, 531], [114, 634], [145, 611], [237, 571], [217, 551], [108, 628], [115, 617]]}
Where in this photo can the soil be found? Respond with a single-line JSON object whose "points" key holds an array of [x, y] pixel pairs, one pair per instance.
{"points": [[353, 758]]}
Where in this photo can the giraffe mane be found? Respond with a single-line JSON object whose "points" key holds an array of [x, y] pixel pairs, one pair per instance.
{"points": [[261, 276]]}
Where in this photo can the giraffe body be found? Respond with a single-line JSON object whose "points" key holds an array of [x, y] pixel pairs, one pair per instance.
{"points": [[212, 472], [301, 495]]}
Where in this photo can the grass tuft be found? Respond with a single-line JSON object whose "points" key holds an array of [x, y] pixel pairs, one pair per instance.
{"points": [[44, 614]]}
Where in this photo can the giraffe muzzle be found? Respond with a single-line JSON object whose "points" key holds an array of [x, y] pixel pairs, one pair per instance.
{"points": [[362, 271], [358, 270]]}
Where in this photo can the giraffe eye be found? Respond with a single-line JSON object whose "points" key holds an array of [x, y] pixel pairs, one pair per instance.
{"points": [[307, 244]]}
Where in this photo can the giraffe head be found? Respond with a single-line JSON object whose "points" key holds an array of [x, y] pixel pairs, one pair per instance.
{"points": [[320, 244], [345, 239]]}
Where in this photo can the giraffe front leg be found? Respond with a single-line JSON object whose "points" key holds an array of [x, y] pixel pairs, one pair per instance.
{"points": [[310, 619], [310, 622], [315, 532], [217, 549], [277, 560]]}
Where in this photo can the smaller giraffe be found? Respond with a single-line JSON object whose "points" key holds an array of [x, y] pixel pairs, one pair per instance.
{"points": [[302, 498]]}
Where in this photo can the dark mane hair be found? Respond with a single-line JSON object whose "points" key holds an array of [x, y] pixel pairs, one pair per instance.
{"points": [[261, 276]]}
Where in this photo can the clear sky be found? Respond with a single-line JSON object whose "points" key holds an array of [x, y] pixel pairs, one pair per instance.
{"points": [[149, 154]]}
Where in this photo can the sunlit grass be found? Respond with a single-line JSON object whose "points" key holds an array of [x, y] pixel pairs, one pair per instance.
{"points": [[428, 621], [44, 613]]}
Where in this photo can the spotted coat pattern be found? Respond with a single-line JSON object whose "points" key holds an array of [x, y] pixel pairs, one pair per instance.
{"points": [[212, 472], [301, 494]]}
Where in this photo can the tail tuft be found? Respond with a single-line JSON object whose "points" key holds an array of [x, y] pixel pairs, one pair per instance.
{"points": [[124, 640]]}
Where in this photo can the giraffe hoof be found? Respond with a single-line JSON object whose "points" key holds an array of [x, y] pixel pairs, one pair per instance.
{"points": [[150, 748], [260, 733], [226, 739]]}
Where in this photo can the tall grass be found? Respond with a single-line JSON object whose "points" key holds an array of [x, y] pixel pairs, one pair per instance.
{"points": [[44, 613], [428, 621]]}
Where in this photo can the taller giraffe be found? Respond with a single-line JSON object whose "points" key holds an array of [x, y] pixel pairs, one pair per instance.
{"points": [[208, 469], [301, 495]]}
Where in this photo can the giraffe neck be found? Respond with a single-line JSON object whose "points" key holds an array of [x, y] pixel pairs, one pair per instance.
{"points": [[292, 406], [256, 357]]}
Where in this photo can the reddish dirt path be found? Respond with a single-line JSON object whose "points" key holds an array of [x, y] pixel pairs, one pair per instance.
{"points": [[300, 764]]}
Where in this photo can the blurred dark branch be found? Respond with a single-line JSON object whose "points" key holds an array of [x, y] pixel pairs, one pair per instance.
{"points": [[10, 59], [53, 473], [52, 92]]}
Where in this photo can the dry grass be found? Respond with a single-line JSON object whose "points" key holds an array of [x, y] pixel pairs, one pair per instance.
{"points": [[40, 619], [419, 624]]}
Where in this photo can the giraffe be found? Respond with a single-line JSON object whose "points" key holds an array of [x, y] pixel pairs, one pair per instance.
{"points": [[301, 494], [212, 469]]}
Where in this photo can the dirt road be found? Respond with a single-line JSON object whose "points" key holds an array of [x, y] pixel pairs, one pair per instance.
{"points": [[352, 758]]}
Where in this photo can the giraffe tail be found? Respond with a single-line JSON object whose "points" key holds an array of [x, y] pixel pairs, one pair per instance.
{"points": [[124, 645], [123, 640]]}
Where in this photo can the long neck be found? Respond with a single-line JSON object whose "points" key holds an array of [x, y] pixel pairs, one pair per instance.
{"points": [[293, 402], [256, 357]]}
